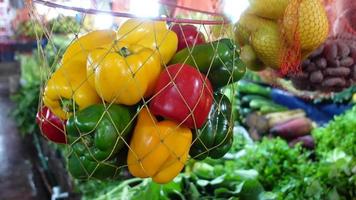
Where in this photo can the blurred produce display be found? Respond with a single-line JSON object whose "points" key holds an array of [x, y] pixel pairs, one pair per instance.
{"points": [[64, 25], [28, 29], [271, 112]]}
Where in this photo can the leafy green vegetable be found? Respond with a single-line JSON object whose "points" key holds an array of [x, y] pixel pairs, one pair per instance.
{"points": [[26, 108], [31, 74], [134, 189], [336, 153], [290, 173], [224, 181], [339, 133], [250, 168], [274, 160]]}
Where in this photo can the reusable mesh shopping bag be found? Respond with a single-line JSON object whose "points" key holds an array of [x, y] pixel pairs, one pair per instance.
{"points": [[145, 96]]}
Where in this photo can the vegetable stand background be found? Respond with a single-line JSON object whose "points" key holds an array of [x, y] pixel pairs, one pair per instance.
{"points": [[88, 157]]}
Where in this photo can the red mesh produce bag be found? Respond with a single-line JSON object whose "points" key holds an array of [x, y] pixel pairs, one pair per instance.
{"points": [[283, 32]]}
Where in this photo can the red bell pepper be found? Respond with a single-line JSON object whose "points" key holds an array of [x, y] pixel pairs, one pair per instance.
{"points": [[51, 126], [184, 95], [188, 35]]}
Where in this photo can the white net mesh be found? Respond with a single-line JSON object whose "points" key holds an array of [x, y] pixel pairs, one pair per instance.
{"points": [[129, 100]]}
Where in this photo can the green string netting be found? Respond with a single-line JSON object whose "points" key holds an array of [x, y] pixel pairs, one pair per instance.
{"points": [[84, 154]]}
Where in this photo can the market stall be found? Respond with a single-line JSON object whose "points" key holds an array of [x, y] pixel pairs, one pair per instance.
{"points": [[189, 99]]}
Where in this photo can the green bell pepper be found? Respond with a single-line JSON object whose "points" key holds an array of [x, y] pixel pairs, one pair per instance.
{"points": [[219, 59], [215, 138], [229, 73], [97, 138]]}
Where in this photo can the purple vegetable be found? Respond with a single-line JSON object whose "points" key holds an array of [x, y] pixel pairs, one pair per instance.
{"points": [[293, 129], [307, 141]]}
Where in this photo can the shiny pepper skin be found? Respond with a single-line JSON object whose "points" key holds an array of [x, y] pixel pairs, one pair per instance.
{"points": [[97, 139], [68, 89], [124, 73], [215, 138], [51, 126], [219, 60], [150, 34], [188, 35], [186, 99], [158, 149]]}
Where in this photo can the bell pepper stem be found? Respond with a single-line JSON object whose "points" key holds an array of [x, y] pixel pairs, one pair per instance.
{"points": [[67, 105], [124, 52]]}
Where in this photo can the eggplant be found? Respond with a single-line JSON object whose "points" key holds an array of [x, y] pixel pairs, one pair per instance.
{"points": [[307, 142]]}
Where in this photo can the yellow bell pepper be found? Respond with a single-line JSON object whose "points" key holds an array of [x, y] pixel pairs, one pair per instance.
{"points": [[150, 34], [84, 44], [158, 149], [123, 73], [68, 89]]}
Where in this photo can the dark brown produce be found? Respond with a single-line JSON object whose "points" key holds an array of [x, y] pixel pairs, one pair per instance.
{"points": [[306, 141], [305, 63], [346, 61], [330, 68], [343, 49], [330, 51], [316, 77], [334, 63], [354, 72], [311, 67], [337, 72], [321, 63], [353, 52], [302, 75], [293, 129], [301, 83], [333, 82]]}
